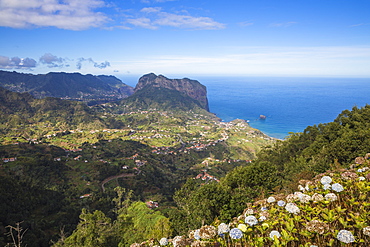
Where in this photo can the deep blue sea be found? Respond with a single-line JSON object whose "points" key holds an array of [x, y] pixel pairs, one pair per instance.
{"points": [[289, 104]]}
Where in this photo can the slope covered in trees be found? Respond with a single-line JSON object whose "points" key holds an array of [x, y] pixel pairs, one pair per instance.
{"points": [[59, 157]]}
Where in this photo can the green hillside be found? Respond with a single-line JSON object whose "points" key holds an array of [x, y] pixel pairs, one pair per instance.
{"points": [[59, 157]]}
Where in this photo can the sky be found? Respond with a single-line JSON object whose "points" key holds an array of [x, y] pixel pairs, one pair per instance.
{"points": [[305, 38]]}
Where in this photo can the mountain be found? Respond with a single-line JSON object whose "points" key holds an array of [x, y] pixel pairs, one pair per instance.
{"points": [[76, 86], [23, 108], [185, 86]]}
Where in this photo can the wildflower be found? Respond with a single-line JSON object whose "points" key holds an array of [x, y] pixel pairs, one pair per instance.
{"points": [[223, 228], [196, 234], [262, 218], [292, 208], [249, 211], [317, 197], [179, 241], [317, 226], [366, 231], [327, 187], [265, 214], [304, 198], [312, 245], [326, 180], [264, 209], [251, 220], [236, 233], [163, 241], [300, 187], [345, 236], [331, 197], [207, 232], [361, 178], [281, 203], [271, 199], [290, 198], [196, 243], [360, 160], [337, 187], [135, 245], [307, 187], [243, 227], [368, 176], [274, 234], [360, 170], [349, 175]]}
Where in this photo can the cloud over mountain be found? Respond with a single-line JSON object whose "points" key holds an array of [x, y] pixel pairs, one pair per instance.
{"points": [[17, 63], [52, 61]]}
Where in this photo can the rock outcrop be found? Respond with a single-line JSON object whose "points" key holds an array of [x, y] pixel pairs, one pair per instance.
{"points": [[191, 88]]}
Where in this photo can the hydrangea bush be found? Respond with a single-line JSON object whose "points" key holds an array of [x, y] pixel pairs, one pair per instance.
{"points": [[331, 210]]}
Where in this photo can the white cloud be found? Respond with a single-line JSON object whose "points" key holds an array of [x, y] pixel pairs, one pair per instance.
{"points": [[151, 10], [102, 65], [68, 14], [16, 63], [52, 61], [142, 22], [157, 18]]}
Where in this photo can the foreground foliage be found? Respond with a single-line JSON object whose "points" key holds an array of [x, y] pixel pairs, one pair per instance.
{"points": [[331, 210]]}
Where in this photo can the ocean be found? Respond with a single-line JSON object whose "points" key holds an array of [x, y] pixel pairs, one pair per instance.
{"points": [[290, 104]]}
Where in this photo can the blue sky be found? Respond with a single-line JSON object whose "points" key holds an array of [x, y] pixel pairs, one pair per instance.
{"points": [[187, 37]]}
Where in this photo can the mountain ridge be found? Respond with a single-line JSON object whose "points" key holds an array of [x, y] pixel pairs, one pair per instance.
{"points": [[75, 86]]}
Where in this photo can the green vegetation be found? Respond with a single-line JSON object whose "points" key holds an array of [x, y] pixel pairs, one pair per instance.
{"points": [[61, 158], [120, 173]]}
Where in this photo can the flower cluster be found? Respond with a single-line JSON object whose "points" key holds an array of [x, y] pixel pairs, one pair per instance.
{"points": [[251, 220], [317, 226], [207, 232], [345, 236]]}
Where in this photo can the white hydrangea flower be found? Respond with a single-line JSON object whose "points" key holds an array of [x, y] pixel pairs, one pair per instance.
{"points": [[327, 187], [366, 231], [281, 203], [307, 187], [249, 211], [331, 197], [271, 199], [292, 208], [345, 236], [223, 228], [304, 198], [317, 197], [262, 218], [326, 180], [163, 241], [337, 187], [274, 234], [251, 220], [301, 188]]}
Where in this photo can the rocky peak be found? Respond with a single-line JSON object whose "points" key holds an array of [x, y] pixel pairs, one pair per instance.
{"points": [[191, 88]]}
